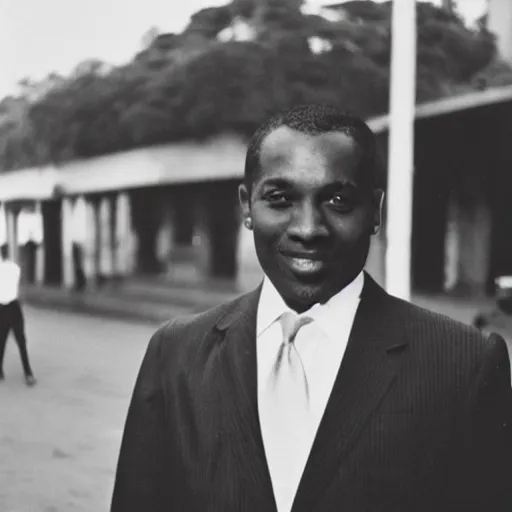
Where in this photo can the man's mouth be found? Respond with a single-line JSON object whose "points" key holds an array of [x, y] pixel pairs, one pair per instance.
{"points": [[302, 264]]}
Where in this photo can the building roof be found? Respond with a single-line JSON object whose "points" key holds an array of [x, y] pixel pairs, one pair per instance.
{"points": [[451, 105], [335, 6]]}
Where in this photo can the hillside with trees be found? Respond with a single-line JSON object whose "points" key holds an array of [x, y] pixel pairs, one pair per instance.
{"points": [[233, 66]]}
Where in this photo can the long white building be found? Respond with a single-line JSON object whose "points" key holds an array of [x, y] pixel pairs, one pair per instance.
{"points": [[173, 209]]}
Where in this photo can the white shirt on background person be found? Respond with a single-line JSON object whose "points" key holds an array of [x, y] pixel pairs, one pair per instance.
{"points": [[9, 281]]}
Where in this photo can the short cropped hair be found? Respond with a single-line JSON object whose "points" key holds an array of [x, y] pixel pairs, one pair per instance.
{"points": [[315, 120]]}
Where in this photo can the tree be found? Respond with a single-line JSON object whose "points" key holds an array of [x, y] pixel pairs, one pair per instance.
{"points": [[192, 85]]}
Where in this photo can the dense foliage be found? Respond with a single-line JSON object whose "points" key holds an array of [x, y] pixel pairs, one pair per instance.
{"points": [[202, 82]]}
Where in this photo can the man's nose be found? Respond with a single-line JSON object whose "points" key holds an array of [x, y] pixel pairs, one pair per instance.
{"points": [[307, 223]]}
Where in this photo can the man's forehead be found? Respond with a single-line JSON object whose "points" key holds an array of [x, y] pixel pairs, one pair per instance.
{"points": [[333, 156], [283, 142]]}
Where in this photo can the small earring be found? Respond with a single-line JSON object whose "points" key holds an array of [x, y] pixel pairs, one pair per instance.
{"points": [[248, 223], [375, 229]]}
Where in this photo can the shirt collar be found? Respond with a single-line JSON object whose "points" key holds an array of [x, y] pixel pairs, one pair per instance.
{"points": [[271, 306]]}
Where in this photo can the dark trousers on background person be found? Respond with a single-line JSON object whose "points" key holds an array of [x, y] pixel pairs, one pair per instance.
{"points": [[11, 319]]}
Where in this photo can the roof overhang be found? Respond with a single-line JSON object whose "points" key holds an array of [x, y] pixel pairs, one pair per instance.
{"points": [[28, 184], [450, 105]]}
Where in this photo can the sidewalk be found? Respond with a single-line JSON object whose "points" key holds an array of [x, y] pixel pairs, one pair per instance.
{"points": [[137, 300]]}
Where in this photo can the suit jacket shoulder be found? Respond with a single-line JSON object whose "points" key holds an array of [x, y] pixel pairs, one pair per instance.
{"points": [[438, 331], [181, 338], [444, 354]]}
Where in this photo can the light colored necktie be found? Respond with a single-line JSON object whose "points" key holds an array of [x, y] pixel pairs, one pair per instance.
{"points": [[287, 420]]}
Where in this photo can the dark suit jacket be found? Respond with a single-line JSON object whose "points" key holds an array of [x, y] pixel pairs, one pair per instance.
{"points": [[419, 419]]}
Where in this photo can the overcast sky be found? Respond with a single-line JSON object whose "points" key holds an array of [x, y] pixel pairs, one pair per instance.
{"points": [[41, 36]]}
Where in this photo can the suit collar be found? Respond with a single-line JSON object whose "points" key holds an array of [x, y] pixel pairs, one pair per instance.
{"points": [[271, 306], [244, 309]]}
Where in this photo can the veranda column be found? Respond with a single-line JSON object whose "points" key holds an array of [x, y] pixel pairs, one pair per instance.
{"points": [[202, 241], [452, 245], [90, 241], [106, 237], [40, 251], [12, 235], [124, 254], [68, 276], [79, 236], [3, 225], [474, 239]]}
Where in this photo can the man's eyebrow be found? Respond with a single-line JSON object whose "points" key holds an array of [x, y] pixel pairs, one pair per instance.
{"points": [[341, 184], [334, 186], [276, 182]]}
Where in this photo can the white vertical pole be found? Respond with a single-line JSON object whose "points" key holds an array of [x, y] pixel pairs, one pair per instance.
{"points": [[401, 148]]}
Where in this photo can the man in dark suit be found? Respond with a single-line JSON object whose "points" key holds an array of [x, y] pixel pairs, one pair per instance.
{"points": [[318, 391]]}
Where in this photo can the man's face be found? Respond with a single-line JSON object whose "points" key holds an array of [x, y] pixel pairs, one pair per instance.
{"points": [[311, 213]]}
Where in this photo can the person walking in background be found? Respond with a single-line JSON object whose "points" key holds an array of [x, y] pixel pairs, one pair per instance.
{"points": [[11, 316], [318, 391]]}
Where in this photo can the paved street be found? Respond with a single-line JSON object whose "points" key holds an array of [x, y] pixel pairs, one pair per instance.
{"points": [[59, 441]]}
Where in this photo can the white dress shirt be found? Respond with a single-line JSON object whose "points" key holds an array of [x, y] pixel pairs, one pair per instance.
{"points": [[321, 345], [9, 281]]}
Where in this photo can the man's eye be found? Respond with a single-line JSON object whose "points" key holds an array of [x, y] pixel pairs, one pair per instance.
{"points": [[341, 202], [277, 198]]}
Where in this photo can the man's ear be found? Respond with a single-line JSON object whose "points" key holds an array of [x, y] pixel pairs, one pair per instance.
{"points": [[378, 202], [244, 196]]}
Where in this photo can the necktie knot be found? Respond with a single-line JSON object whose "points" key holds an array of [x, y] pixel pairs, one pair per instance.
{"points": [[291, 323]]}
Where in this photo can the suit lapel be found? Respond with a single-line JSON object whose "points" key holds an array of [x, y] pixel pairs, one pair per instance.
{"points": [[369, 365], [239, 376]]}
